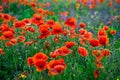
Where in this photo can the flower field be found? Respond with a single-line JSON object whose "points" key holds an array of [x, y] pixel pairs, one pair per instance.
{"points": [[59, 39]]}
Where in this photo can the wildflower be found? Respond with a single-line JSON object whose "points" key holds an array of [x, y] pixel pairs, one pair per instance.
{"points": [[96, 73], [82, 25], [1, 51], [56, 66], [103, 40], [82, 31], [40, 61], [82, 51], [30, 61], [63, 51], [106, 28], [57, 29], [8, 34], [105, 52], [20, 38], [112, 32], [70, 44], [19, 24], [94, 43], [71, 22]]}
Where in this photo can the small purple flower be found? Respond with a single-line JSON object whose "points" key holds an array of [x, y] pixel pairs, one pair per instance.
{"points": [[119, 34], [63, 17]]}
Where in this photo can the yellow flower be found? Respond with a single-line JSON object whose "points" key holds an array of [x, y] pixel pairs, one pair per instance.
{"points": [[23, 76]]}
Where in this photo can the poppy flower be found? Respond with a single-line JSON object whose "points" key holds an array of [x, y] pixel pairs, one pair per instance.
{"points": [[50, 22], [106, 28], [31, 29], [82, 25], [37, 20], [44, 32], [99, 57], [40, 65], [70, 44], [57, 29], [1, 51], [112, 32], [94, 43], [20, 38], [82, 31], [65, 32], [88, 36], [40, 56], [13, 41], [64, 51], [99, 64], [55, 53], [28, 43], [8, 34], [56, 39], [96, 73], [1, 16], [19, 24], [118, 1], [7, 17], [30, 61], [56, 66], [40, 61], [103, 40], [95, 53], [71, 22], [8, 44], [110, 3], [82, 51], [102, 32], [105, 52], [1, 8]]}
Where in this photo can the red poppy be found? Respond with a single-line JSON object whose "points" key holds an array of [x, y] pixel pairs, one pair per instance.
{"points": [[30, 61], [106, 28], [44, 32], [70, 44], [40, 65], [118, 1], [95, 53], [13, 41], [28, 43], [64, 51], [71, 22], [1, 8], [7, 17], [105, 52], [8, 34], [112, 32], [37, 20], [31, 29], [96, 73], [20, 38], [82, 51], [56, 66], [19, 24], [82, 25], [40, 56], [1, 51], [55, 53], [8, 44], [99, 64], [102, 32], [82, 31], [57, 29], [94, 43], [103, 40], [88, 36]]}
